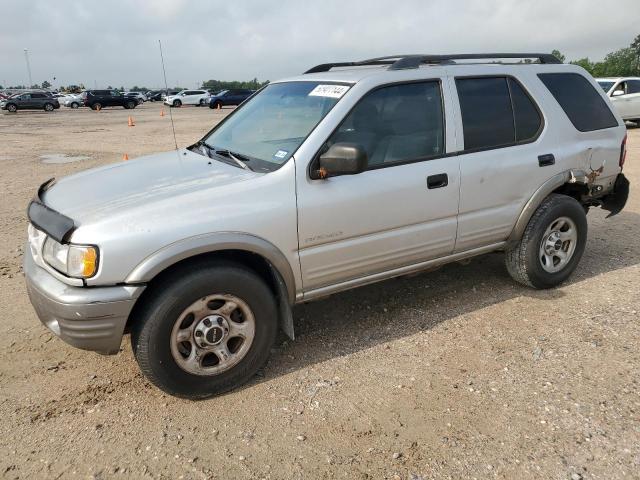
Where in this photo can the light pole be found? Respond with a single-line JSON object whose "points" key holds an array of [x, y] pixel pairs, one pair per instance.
{"points": [[26, 58]]}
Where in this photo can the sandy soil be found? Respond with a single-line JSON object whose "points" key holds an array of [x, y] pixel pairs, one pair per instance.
{"points": [[458, 373]]}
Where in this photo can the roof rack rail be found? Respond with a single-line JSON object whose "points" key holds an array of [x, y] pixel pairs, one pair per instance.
{"points": [[402, 62]]}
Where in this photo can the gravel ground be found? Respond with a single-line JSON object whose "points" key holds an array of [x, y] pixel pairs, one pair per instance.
{"points": [[457, 373]]}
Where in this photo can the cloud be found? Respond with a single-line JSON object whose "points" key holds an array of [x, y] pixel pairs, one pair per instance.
{"points": [[116, 42]]}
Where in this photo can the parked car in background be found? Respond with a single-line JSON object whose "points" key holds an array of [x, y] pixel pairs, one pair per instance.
{"points": [[155, 96], [137, 96], [188, 97], [30, 101], [624, 93], [402, 164], [98, 99], [230, 97], [73, 100]]}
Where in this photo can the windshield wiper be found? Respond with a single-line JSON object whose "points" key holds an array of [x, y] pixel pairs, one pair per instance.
{"points": [[241, 162]]}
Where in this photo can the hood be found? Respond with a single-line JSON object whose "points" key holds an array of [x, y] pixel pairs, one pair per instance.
{"points": [[102, 192]]}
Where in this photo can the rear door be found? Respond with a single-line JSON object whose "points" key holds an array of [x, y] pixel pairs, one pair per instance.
{"points": [[502, 128], [402, 210]]}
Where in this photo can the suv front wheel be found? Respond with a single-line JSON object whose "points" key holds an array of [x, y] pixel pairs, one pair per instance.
{"points": [[206, 329], [552, 244]]}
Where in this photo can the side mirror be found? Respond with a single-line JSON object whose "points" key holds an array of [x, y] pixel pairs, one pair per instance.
{"points": [[342, 159], [617, 93]]}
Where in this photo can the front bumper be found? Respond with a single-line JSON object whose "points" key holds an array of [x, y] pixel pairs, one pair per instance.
{"points": [[90, 318]]}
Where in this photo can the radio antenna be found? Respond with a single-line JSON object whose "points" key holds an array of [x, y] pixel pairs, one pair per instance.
{"points": [[166, 87]]}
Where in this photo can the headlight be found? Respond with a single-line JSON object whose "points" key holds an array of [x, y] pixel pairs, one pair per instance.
{"points": [[76, 261]]}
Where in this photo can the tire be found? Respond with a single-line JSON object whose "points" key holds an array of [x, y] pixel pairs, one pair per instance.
{"points": [[129, 105], [557, 232], [165, 360], [48, 107], [217, 105], [202, 102], [12, 107], [75, 105], [96, 106], [176, 103]]}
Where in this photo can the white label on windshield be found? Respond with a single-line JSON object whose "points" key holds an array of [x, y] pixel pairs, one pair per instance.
{"points": [[332, 91], [280, 154]]}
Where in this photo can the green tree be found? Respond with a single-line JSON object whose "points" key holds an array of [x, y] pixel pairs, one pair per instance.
{"points": [[46, 85], [584, 63], [558, 55]]}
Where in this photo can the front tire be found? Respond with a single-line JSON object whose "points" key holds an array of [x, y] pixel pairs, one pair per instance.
{"points": [[205, 330], [130, 105], [177, 103], [96, 106], [48, 107], [75, 105], [12, 107], [552, 244]]}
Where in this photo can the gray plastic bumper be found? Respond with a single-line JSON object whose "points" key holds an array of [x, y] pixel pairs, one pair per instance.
{"points": [[90, 318]]}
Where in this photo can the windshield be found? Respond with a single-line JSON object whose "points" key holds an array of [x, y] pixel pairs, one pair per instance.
{"points": [[605, 84], [271, 126]]}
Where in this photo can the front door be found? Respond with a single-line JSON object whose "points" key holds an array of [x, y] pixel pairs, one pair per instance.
{"points": [[402, 210]]}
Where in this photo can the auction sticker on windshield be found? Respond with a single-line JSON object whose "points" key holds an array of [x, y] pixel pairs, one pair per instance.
{"points": [[332, 91]]}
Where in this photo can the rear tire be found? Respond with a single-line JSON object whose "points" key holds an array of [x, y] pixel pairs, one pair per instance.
{"points": [[167, 342], [552, 244], [75, 105]]}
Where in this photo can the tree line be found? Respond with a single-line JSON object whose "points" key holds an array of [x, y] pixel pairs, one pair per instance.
{"points": [[624, 62]]}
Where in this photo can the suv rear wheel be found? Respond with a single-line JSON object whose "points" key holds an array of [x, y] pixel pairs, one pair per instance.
{"points": [[75, 105], [205, 329], [552, 244]]}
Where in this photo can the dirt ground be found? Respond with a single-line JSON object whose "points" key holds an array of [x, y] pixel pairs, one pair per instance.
{"points": [[458, 373]]}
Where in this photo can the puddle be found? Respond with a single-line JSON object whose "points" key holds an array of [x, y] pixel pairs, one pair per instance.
{"points": [[62, 158]]}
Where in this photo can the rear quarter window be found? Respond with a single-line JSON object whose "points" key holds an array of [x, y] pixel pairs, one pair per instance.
{"points": [[582, 103]]}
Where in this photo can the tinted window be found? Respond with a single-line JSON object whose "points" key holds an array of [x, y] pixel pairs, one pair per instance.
{"points": [[38, 95], [396, 124], [583, 105], [633, 86], [526, 115], [487, 115]]}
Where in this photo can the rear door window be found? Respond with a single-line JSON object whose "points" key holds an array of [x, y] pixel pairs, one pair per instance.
{"points": [[633, 86], [584, 106], [487, 115]]}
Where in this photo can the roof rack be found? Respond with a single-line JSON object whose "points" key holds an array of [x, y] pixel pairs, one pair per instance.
{"points": [[402, 62]]}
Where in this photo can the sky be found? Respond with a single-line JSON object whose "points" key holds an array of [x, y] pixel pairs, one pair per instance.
{"points": [[115, 42]]}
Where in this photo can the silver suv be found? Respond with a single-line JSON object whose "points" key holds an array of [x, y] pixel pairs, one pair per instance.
{"points": [[346, 175]]}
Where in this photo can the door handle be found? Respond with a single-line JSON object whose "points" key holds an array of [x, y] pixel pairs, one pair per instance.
{"points": [[546, 160], [437, 181]]}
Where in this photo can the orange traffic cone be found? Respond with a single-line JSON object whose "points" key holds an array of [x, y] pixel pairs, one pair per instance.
{"points": [[219, 106], [125, 157], [162, 112], [131, 124]]}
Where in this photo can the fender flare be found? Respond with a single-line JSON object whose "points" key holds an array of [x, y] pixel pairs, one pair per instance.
{"points": [[282, 272], [553, 183]]}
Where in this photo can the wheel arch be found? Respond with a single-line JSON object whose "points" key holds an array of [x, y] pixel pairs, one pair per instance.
{"points": [[253, 252], [570, 182]]}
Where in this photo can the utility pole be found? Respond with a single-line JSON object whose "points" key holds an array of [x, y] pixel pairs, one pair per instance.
{"points": [[26, 58]]}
